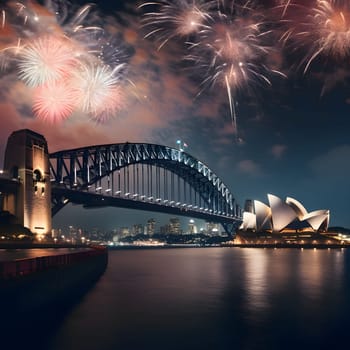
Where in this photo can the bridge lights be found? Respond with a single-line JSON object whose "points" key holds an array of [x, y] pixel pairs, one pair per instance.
{"points": [[181, 145]]}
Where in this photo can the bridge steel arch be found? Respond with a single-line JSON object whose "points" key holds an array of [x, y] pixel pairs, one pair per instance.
{"points": [[142, 176]]}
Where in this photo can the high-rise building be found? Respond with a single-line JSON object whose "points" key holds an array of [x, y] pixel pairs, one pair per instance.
{"points": [[212, 228], [163, 230], [151, 225], [249, 206], [175, 226], [137, 229], [192, 228]]}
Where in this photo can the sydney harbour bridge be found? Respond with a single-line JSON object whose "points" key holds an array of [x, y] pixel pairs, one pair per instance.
{"points": [[139, 176]]}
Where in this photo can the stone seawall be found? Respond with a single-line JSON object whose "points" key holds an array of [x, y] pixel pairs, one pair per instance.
{"points": [[33, 291]]}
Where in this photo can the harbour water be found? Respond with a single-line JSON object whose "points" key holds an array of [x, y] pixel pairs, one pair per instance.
{"points": [[210, 298]]}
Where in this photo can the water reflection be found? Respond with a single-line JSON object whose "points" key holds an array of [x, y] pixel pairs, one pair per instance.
{"points": [[215, 298], [307, 273], [256, 279], [318, 271]]}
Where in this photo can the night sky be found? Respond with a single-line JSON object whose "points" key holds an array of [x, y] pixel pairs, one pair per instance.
{"points": [[292, 137]]}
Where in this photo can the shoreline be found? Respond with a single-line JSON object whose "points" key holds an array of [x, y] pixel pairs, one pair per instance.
{"points": [[178, 246], [259, 246]]}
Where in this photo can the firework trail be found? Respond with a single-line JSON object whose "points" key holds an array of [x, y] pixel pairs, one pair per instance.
{"points": [[178, 18], [283, 4], [62, 52], [227, 42], [319, 31]]}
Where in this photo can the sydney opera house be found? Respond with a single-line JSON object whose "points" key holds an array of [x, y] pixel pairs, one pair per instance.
{"points": [[284, 223], [281, 215]]}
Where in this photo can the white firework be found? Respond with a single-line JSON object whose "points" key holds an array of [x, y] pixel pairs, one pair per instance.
{"points": [[45, 60], [99, 90]]}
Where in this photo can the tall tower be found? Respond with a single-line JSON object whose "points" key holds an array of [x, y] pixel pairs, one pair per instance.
{"points": [[27, 160]]}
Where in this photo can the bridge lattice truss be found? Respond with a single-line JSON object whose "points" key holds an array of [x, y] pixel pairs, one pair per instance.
{"points": [[141, 176]]}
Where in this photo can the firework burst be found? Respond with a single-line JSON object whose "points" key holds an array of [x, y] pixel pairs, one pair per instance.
{"points": [[99, 90], [180, 18], [55, 102], [234, 51], [45, 60], [58, 46], [227, 42], [323, 32]]}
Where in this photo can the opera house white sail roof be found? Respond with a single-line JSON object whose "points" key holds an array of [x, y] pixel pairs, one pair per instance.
{"points": [[280, 215]]}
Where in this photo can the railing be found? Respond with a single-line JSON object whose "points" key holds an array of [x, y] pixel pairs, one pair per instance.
{"points": [[23, 267]]}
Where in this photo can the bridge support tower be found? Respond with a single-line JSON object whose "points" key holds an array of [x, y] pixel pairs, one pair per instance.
{"points": [[27, 160]]}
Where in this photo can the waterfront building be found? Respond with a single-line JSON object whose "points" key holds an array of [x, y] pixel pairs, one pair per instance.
{"points": [[56, 233], [283, 216], [124, 231]]}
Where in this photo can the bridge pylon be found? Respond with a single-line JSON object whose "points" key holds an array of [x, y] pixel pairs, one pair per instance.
{"points": [[27, 161]]}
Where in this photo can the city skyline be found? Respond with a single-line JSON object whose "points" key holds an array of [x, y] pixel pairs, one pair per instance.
{"points": [[130, 219], [291, 138], [151, 226]]}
